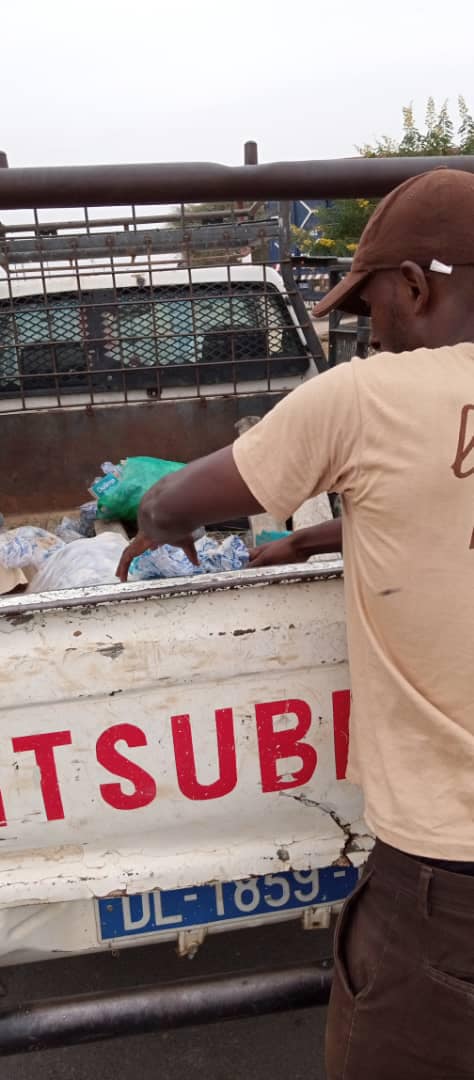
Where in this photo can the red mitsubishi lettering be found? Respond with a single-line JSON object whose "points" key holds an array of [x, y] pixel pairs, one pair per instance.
{"points": [[3, 816], [107, 755], [275, 745], [43, 748], [186, 762], [341, 707]]}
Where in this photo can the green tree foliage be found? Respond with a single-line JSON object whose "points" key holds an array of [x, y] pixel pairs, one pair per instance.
{"points": [[338, 229], [440, 137], [465, 129]]}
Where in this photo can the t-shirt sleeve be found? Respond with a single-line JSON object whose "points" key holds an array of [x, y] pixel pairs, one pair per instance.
{"points": [[310, 442]]}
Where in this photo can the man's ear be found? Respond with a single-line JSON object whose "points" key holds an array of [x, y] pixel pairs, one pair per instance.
{"points": [[418, 285]]}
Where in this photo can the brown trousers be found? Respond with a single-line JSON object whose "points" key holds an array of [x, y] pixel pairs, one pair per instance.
{"points": [[402, 1003]]}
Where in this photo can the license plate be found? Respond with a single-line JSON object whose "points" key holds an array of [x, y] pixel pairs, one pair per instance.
{"points": [[231, 901]]}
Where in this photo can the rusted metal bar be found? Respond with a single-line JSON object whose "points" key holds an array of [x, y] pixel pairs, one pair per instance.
{"points": [[49, 228], [91, 1017], [138, 242], [294, 294], [107, 185], [251, 153]]}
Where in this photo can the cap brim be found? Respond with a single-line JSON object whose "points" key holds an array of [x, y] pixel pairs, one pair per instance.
{"points": [[345, 296]]}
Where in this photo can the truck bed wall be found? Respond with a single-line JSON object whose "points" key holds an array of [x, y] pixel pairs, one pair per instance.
{"points": [[50, 456]]}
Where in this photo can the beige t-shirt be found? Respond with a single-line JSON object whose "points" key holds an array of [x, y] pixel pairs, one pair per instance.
{"points": [[394, 434]]}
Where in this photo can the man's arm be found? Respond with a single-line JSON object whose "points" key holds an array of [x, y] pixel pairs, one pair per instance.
{"points": [[208, 490], [310, 442], [299, 546]]}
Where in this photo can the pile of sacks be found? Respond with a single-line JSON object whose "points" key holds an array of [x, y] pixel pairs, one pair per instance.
{"points": [[39, 561], [34, 561], [73, 557], [21, 553]]}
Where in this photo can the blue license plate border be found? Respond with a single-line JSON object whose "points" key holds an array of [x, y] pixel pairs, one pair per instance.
{"points": [[258, 898]]}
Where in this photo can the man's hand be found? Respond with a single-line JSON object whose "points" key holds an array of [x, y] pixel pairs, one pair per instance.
{"points": [[136, 547], [318, 540], [276, 553], [141, 544]]}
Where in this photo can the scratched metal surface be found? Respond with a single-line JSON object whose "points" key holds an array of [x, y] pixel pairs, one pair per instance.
{"points": [[245, 664], [14, 605]]}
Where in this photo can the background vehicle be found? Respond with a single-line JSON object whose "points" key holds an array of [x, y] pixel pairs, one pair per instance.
{"points": [[146, 333]]}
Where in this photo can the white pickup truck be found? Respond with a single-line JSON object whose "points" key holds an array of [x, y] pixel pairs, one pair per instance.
{"points": [[173, 753]]}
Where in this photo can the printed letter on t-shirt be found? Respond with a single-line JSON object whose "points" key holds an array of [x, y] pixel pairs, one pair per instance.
{"points": [[463, 464]]}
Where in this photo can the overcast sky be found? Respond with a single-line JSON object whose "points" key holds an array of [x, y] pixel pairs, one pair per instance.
{"points": [[165, 80]]}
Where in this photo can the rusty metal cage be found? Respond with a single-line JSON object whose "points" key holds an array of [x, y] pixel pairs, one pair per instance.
{"points": [[100, 309], [156, 298]]}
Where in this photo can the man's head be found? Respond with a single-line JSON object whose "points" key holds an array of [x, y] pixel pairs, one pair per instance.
{"points": [[414, 268]]}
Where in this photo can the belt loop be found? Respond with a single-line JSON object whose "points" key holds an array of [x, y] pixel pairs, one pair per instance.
{"points": [[424, 889]]}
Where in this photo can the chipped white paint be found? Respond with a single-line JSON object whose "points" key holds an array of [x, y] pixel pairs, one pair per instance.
{"points": [[83, 671]]}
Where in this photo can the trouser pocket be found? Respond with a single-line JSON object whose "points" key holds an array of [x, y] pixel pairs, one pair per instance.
{"points": [[352, 964]]}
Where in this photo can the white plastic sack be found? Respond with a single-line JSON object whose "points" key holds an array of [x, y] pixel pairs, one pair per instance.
{"points": [[80, 564], [68, 530], [27, 546]]}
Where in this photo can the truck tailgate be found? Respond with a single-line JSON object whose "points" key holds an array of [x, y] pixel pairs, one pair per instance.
{"points": [[173, 734]]}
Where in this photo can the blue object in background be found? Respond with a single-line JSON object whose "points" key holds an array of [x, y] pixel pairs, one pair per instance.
{"points": [[267, 535]]}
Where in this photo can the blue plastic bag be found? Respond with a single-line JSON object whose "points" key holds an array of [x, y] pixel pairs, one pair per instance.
{"points": [[171, 562]]}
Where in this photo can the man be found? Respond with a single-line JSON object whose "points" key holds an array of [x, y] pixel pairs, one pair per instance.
{"points": [[394, 434]]}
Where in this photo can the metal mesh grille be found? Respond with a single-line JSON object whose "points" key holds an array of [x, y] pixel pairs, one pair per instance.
{"points": [[344, 343], [94, 311]]}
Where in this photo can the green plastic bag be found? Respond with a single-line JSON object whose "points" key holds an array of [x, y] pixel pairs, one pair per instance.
{"points": [[120, 496]]}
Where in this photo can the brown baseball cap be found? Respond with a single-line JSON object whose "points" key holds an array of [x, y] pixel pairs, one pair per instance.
{"points": [[428, 218]]}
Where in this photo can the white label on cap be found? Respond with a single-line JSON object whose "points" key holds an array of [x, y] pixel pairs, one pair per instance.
{"points": [[440, 267]]}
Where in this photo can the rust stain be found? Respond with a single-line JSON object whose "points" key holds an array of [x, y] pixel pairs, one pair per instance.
{"points": [[112, 651], [283, 854], [19, 620], [343, 860]]}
